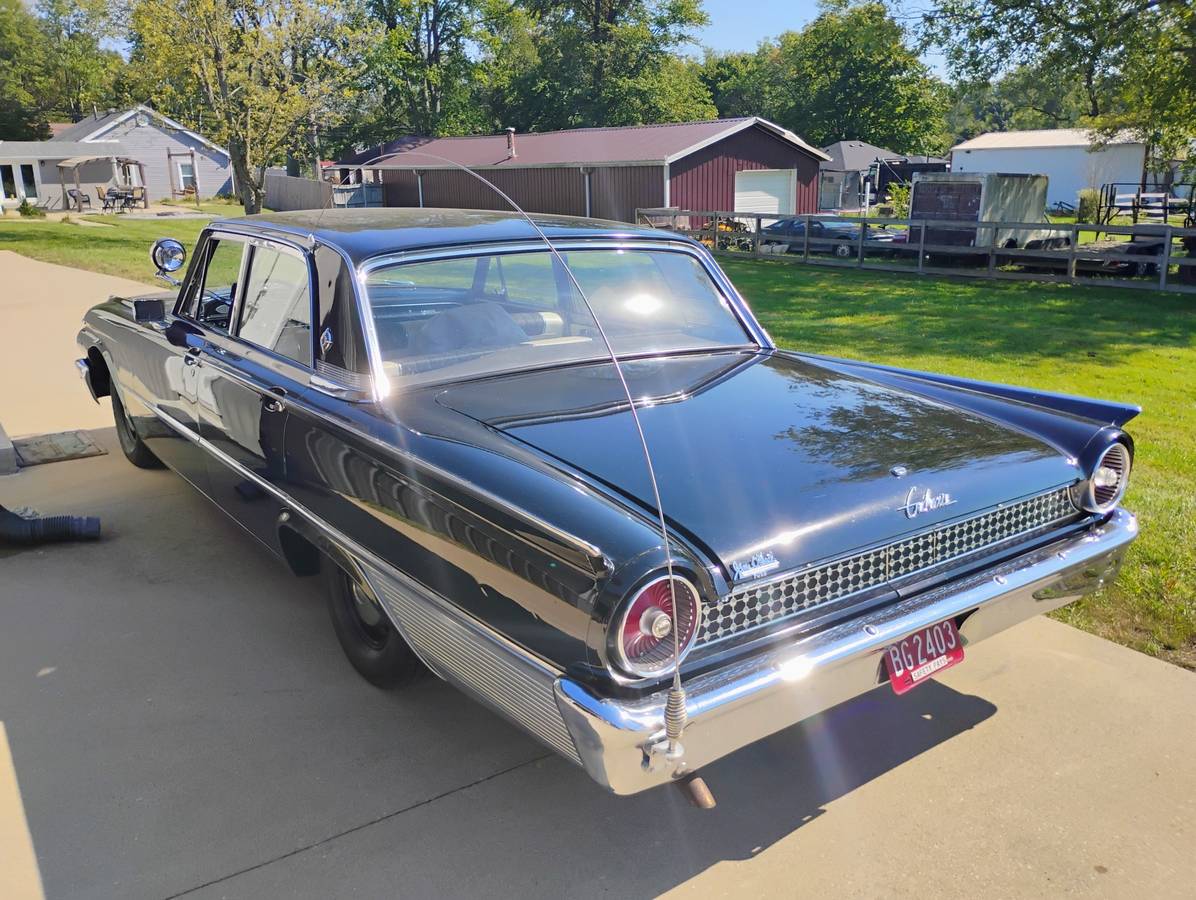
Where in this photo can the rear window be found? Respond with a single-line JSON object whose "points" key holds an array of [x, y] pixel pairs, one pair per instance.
{"points": [[457, 318]]}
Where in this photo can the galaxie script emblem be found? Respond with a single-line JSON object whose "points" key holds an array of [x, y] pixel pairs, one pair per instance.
{"points": [[916, 504], [759, 564]]}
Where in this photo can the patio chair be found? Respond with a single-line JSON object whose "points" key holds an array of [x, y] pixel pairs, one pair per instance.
{"points": [[107, 203], [137, 197], [79, 198]]}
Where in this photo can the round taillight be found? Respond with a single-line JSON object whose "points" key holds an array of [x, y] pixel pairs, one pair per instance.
{"points": [[643, 640], [1107, 483]]}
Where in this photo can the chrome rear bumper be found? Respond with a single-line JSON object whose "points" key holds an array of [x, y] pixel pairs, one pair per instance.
{"points": [[742, 703]]}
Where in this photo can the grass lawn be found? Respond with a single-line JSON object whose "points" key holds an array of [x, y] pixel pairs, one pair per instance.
{"points": [[114, 245], [1132, 346]]}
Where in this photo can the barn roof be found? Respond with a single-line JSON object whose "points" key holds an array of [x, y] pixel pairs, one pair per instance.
{"points": [[634, 144], [1041, 138]]}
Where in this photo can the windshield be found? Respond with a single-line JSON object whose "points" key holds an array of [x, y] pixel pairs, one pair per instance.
{"points": [[463, 317]]}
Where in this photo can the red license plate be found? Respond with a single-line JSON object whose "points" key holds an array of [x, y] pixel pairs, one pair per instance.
{"points": [[924, 653]]}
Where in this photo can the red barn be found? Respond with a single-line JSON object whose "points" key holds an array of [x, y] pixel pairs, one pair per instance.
{"points": [[745, 165]]}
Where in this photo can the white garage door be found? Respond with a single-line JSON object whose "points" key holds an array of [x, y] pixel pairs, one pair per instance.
{"points": [[765, 191]]}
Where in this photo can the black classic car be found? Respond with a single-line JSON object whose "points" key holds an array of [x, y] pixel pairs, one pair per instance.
{"points": [[420, 407]]}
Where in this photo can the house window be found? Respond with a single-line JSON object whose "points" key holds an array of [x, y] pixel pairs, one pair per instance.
{"points": [[130, 174], [28, 182], [187, 176], [8, 184]]}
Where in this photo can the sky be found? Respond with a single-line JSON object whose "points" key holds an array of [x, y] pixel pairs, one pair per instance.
{"points": [[742, 24]]}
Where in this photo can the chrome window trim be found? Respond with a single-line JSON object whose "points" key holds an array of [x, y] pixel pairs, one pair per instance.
{"points": [[250, 239], [376, 391], [735, 302], [289, 249], [200, 275]]}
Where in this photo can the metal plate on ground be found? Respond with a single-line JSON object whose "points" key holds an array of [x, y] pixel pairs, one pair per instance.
{"points": [[48, 448]]}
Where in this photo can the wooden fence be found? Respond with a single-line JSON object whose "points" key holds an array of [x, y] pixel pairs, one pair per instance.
{"points": [[948, 247], [285, 192]]}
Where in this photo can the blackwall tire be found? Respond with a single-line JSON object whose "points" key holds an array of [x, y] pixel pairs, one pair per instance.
{"points": [[368, 638], [131, 444]]}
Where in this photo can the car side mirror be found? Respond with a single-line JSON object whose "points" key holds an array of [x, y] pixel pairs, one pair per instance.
{"points": [[149, 310], [168, 256]]}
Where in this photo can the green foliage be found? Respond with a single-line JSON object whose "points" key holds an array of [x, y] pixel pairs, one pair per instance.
{"points": [[81, 73], [53, 65], [21, 115], [1131, 64], [899, 200], [849, 74], [28, 211], [270, 72], [579, 63], [1027, 97], [1088, 204]]}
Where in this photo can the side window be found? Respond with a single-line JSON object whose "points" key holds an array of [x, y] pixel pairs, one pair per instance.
{"points": [[276, 307], [214, 290]]}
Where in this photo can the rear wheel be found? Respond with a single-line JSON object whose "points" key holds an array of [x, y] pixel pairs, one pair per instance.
{"points": [[131, 443], [842, 251], [366, 634]]}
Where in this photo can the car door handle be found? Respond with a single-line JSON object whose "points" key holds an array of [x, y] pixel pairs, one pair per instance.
{"points": [[273, 402]]}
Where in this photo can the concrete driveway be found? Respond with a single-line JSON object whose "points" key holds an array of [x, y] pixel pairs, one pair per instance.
{"points": [[181, 723], [176, 719], [41, 309]]}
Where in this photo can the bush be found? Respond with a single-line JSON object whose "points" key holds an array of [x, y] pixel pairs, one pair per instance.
{"points": [[1089, 201], [29, 211], [899, 200]]}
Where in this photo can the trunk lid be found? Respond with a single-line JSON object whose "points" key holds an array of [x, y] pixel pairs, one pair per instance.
{"points": [[760, 453]]}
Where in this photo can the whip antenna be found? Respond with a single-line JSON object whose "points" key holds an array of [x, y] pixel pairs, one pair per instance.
{"points": [[675, 712]]}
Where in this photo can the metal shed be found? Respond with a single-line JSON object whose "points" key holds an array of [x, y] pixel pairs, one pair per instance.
{"points": [[746, 164]]}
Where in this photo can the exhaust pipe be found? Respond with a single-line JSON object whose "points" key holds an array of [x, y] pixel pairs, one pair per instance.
{"points": [[16, 529]]}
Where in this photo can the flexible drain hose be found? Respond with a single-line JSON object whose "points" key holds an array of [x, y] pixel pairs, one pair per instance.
{"points": [[18, 530]]}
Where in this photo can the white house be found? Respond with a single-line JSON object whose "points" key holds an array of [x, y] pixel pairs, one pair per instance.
{"points": [[137, 146], [1064, 155]]}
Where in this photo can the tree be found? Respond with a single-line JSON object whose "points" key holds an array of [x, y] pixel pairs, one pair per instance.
{"points": [[268, 71], [743, 83], [421, 67], [81, 74], [596, 62], [1027, 97], [1133, 60], [849, 74], [22, 116]]}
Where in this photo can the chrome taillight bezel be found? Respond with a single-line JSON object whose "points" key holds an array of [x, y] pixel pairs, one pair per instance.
{"points": [[632, 669]]}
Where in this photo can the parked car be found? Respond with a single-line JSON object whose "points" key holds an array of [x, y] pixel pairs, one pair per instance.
{"points": [[416, 407], [826, 235]]}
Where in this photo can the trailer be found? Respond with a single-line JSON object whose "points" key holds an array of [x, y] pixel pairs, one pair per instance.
{"points": [[983, 197]]}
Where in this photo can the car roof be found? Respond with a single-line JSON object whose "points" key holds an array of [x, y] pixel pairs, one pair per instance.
{"points": [[363, 233]]}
